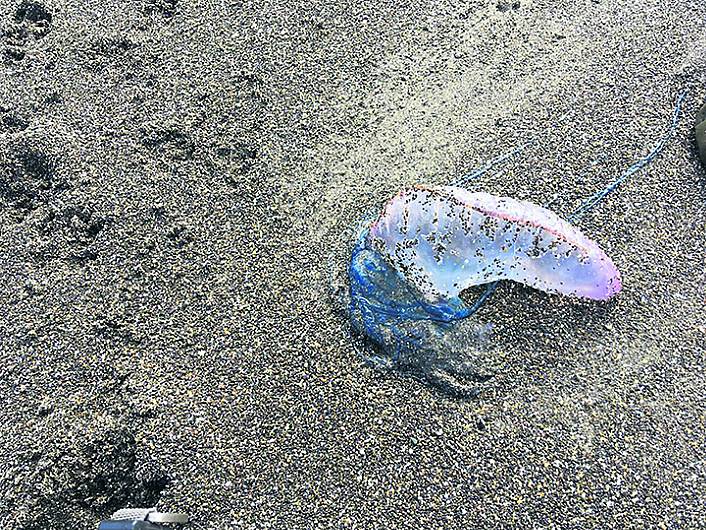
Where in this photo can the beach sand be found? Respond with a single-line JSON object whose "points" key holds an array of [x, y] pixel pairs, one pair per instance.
{"points": [[177, 182]]}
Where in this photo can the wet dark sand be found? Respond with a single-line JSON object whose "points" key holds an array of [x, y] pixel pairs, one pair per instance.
{"points": [[175, 177]]}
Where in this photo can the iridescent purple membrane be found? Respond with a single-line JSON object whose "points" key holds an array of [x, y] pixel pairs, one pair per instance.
{"points": [[444, 239]]}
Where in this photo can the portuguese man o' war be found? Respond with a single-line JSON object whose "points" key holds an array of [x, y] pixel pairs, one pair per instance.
{"points": [[411, 263]]}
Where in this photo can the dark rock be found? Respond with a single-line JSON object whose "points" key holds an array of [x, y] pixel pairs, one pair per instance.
{"points": [[701, 133]]}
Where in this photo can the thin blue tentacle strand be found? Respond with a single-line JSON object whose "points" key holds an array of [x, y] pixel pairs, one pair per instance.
{"points": [[597, 197], [462, 181], [490, 164]]}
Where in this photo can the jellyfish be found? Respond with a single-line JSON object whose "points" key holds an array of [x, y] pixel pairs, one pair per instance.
{"points": [[430, 243]]}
